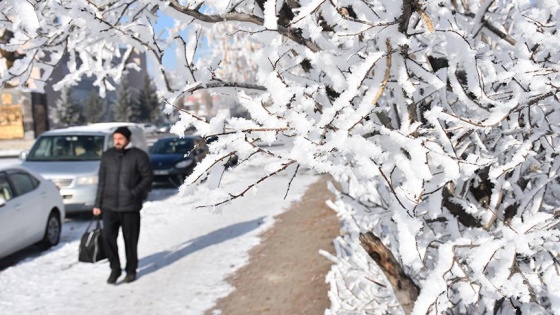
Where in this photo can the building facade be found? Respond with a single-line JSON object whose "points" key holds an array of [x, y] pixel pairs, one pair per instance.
{"points": [[25, 114]]}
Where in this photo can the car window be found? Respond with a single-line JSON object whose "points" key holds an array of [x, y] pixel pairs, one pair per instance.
{"points": [[173, 146], [5, 189], [67, 147], [23, 182]]}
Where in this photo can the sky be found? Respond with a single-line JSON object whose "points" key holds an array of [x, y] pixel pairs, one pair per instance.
{"points": [[185, 255], [165, 22]]}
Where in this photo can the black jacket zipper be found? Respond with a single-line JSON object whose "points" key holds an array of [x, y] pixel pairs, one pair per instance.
{"points": [[120, 158]]}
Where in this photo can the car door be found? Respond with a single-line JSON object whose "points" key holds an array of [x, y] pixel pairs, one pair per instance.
{"points": [[9, 238], [29, 206]]}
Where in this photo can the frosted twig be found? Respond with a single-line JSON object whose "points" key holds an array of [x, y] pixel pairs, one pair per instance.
{"points": [[290, 183], [241, 194]]}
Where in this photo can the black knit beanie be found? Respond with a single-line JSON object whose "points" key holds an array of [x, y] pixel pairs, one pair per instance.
{"points": [[123, 131]]}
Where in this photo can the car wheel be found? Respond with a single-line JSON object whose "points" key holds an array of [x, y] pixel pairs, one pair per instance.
{"points": [[52, 232]]}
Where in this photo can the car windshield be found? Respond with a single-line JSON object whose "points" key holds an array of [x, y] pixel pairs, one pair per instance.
{"points": [[67, 148], [173, 146]]}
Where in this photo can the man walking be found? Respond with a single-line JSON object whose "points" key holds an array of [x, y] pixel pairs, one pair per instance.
{"points": [[125, 178]]}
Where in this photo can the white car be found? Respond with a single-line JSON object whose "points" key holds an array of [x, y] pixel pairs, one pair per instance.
{"points": [[70, 157], [31, 210]]}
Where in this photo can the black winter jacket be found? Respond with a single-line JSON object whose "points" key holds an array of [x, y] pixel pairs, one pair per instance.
{"points": [[125, 178]]}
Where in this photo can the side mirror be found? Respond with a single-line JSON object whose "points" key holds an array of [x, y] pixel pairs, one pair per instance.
{"points": [[23, 155]]}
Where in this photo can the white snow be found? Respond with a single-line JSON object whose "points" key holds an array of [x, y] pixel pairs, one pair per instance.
{"points": [[270, 15], [185, 255]]}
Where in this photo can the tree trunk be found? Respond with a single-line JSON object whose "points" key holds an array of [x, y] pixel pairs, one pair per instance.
{"points": [[405, 289]]}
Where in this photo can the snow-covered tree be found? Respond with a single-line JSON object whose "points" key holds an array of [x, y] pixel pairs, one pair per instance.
{"points": [[8, 57], [149, 103], [439, 121], [125, 106], [234, 50], [93, 108], [66, 111]]}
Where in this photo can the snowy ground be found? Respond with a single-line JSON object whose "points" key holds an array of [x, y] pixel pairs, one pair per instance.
{"points": [[185, 255]]}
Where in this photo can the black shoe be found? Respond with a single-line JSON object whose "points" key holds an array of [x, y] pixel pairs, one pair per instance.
{"points": [[130, 277], [115, 274]]}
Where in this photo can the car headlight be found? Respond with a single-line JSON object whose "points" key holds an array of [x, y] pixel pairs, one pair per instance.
{"points": [[183, 164], [87, 180]]}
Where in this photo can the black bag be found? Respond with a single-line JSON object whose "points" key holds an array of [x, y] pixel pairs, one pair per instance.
{"points": [[91, 245]]}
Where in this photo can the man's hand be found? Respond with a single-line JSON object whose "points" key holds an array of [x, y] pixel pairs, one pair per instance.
{"points": [[96, 211]]}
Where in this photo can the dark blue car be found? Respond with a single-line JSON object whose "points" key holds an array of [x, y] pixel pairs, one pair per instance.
{"points": [[173, 158]]}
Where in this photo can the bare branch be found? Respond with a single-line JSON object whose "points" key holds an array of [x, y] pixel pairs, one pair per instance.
{"points": [[386, 76], [390, 185], [242, 193], [290, 183], [495, 30]]}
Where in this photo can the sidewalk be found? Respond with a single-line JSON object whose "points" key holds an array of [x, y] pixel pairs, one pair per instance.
{"points": [[286, 274], [12, 148]]}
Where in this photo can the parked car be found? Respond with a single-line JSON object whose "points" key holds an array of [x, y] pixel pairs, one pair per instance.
{"points": [[31, 210], [163, 128], [173, 158], [149, 128], [70, 157]]}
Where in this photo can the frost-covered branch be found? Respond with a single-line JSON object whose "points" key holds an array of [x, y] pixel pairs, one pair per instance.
{"points": [[242, 17]]}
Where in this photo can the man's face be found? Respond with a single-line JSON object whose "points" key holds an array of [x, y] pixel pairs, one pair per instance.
{"points": [[120, 141]]}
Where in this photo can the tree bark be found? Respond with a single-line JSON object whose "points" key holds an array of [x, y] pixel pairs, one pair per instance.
{"points": [[409, 7], [405, 289], [464, 218]]}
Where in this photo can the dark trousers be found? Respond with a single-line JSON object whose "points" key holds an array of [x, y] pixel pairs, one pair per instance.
{"points": [[130, 223]]}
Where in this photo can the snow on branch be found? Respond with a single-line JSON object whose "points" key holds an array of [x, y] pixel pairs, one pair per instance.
{"points": [[241, 17]]}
